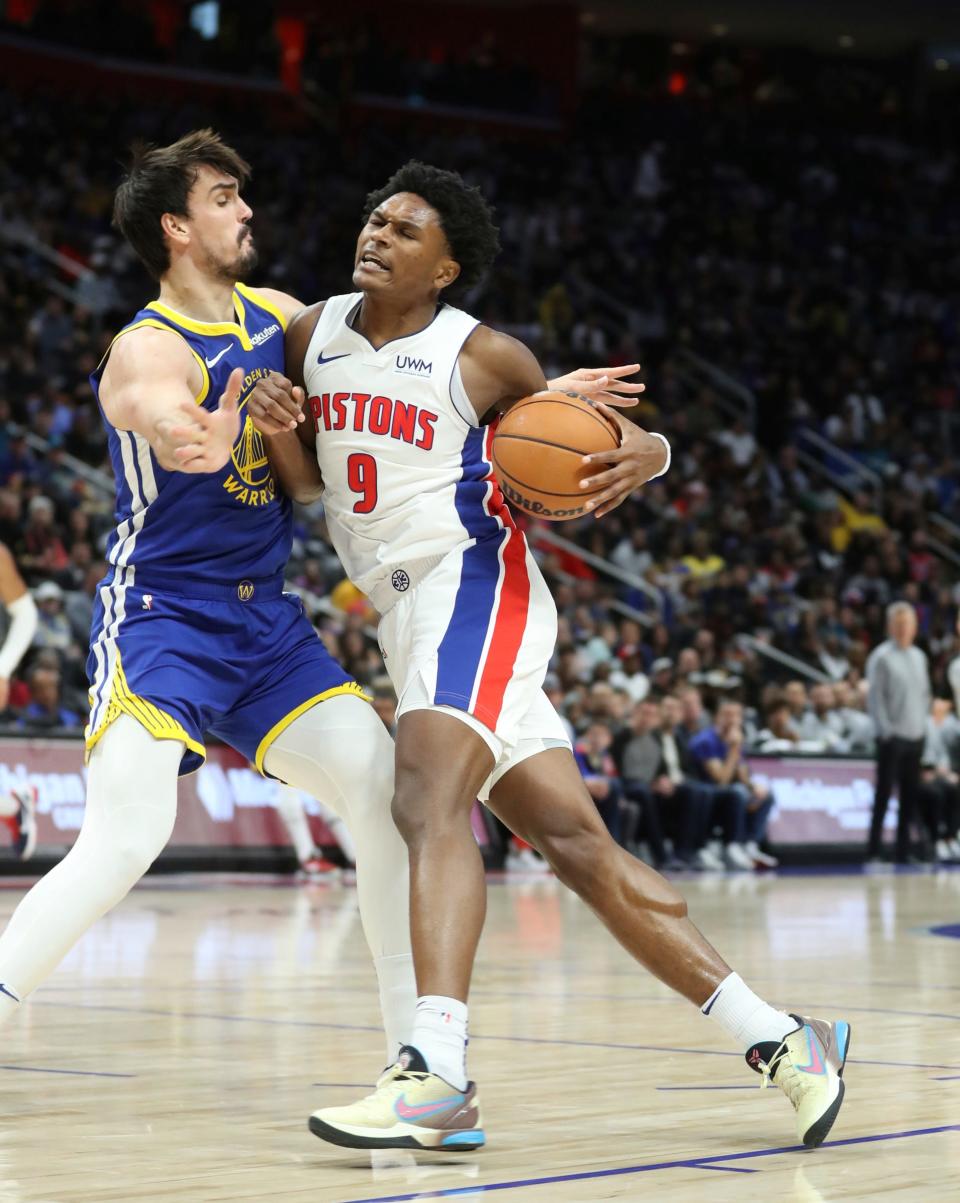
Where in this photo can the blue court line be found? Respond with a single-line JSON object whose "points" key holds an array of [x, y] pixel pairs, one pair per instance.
{"points": [[949, 1078], [76, 1073], [647, 1167], [358, 1027], [730, 1169]]}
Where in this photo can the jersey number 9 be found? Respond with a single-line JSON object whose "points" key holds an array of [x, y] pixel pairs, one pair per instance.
{"points": [[362, 479]]}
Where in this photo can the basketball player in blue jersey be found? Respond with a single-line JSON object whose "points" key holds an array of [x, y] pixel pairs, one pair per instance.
{"points": [[402, 389], [192, 631]]}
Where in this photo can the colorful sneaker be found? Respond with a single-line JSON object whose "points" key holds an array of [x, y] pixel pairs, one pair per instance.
{"points": [[808, 1067], [411, 1108], [23, 824]]}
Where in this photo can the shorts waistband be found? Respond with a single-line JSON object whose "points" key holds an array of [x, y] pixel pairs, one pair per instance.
{"points": [[403, 577], [250, 589]]}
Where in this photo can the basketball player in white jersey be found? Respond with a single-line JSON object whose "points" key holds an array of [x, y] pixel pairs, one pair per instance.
{"points": [[400, 386], [18, 807]]}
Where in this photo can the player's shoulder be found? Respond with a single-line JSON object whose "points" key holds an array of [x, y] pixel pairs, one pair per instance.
{"points": [[486, 345], [145, 349], [281, 304]]}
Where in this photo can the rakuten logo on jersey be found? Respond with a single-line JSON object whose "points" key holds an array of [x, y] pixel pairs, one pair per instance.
{"points": [[262, 335], [378, 415]]}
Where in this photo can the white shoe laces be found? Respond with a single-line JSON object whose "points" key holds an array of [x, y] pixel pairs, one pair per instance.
{"points": [[788, 1078]]}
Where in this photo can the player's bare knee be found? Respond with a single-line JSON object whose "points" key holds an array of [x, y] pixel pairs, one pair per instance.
{"points": [[578, 856]]}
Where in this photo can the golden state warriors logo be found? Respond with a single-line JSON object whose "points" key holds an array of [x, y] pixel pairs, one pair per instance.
{"points": [[255, 485], [245, 590]]}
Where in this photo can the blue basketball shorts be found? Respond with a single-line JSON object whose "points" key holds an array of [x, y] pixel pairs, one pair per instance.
{"points": [[238, 662]]}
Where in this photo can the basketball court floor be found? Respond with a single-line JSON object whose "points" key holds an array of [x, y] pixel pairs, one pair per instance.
{"points": [[178, 1052]]}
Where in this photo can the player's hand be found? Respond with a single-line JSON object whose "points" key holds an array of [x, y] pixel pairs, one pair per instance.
{"points": [[204, 442], [639, 457], [276, 405], [602, 384]]}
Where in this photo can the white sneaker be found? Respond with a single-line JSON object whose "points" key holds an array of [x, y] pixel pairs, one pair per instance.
{"points": [[525, 861], [738, 857], [943, 851], [954, 846], [762, 860], [707, 859]]}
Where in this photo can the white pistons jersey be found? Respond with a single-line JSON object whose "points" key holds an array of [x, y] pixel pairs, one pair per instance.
{"points": [[405, 463], [421, 526]]}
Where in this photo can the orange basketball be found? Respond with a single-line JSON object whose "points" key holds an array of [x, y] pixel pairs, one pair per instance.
{"points": [[537, 453]]}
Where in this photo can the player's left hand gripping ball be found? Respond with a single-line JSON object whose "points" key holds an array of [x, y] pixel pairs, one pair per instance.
{"points": [[639, 458]]}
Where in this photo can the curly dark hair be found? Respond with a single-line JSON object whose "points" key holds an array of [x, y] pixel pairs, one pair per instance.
{"points": [[465, 216]]}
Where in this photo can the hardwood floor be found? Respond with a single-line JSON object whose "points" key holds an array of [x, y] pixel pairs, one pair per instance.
{"points": [[178, 1051]]}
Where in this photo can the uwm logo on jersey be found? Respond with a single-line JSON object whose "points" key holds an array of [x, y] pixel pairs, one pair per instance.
{"points": [[377, 415]]}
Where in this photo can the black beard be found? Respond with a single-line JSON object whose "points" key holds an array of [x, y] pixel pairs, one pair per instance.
{"points": [[239, 268]]}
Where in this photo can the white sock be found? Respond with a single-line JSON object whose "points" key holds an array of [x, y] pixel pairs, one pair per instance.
{"points": [[440, 1036], [746, 1016]]}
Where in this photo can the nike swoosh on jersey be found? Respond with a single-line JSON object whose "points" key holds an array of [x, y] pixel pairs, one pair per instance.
{"points": [[330, 358], [216, 359]]}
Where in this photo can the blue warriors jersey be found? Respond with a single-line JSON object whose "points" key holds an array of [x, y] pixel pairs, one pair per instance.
{"points": [[220, 527], [192, 632]]}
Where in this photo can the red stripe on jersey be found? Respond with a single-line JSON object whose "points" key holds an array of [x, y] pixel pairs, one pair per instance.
{"points": [[510, 623], [496, 503]]}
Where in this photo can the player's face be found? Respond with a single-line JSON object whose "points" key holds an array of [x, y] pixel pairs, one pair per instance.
{"points": [[402, 251], [218, 224]]}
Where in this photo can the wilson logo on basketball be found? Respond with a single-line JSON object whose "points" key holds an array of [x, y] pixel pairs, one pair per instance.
{"points": [[536, 507]]}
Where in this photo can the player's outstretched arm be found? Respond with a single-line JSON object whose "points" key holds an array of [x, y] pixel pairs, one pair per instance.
{"points": [[150, 385], [498, 371]]}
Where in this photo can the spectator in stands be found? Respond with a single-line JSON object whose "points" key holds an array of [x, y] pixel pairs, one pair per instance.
{"points": [[939, 790], [719, 752], [599, 772], [41, 548], [899, 699], [53, 626], [858, 728], [687, 801], [780, 733], [795, 695], [636, 753], [629, 675], [821, 725], [45, 709]]}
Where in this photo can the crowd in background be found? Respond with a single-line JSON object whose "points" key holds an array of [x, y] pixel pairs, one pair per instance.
{"points": [[821, 288]]}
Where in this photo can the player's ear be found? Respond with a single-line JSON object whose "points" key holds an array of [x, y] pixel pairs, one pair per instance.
{"points": [[447, 272], [175, 227]]}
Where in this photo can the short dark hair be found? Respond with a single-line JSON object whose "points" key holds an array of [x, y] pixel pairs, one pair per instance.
{"points": [[158, 181], [465, 216]]}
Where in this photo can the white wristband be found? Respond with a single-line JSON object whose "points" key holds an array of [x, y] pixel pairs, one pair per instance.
{"points": [[23, 625], [666, 467]]}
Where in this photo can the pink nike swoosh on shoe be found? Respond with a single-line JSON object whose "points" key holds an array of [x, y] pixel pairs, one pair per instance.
{"points": [[816, 1065], [405, 1111]]}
